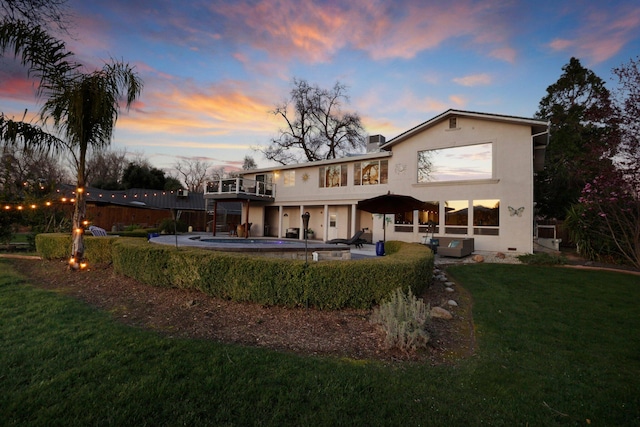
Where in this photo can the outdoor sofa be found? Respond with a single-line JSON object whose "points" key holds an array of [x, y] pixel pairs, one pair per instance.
{"points": [[457, 247]]}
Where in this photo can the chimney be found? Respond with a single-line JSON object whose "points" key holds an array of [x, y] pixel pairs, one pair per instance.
{"points": [[374, 143]]}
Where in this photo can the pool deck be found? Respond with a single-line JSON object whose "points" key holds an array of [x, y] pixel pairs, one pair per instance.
{"points": [[282, 248], [366, 251]]}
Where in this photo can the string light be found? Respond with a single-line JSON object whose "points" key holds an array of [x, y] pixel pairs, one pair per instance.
{"points": [[20, 206]]}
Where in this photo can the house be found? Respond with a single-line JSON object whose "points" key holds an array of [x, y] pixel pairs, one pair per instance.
{"points": [[474, 171]]}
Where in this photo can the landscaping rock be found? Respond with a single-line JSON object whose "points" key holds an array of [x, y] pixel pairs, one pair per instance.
{"points": [[478, 258], [441, 313], [449, 284], [500, 255], [448, 289], [452, 303]]}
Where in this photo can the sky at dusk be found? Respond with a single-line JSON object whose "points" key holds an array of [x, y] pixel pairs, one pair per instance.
{"points": [[213, 70]]}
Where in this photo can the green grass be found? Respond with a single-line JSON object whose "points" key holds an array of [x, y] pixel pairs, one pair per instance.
{"points": [[555, 347]]}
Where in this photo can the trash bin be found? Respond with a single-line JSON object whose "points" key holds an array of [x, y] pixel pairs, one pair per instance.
{"points": [[380, 248]]}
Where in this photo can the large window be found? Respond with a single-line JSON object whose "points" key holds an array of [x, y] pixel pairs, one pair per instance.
{"points": [[456, 216], [371, 173], [486, 217], [455, 164], [333, 176], [429, 217]]}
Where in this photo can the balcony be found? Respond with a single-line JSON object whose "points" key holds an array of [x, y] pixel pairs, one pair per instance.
{"points": [[240, 188]]}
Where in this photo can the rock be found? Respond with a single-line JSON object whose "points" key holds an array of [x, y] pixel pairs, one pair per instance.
{"points": [[478, 258], [449, 284], [452, 303], [448, 289], [500, 255], [441, 313]]}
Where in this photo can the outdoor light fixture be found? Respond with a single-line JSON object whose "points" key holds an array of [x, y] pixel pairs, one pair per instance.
{"points": [[305, 227]]}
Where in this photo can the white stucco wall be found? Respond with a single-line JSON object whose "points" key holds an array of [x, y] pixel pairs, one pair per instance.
{"points": [[511, 183]]}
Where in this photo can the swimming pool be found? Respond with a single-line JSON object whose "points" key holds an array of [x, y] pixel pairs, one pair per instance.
{"points": [[278, 248]]}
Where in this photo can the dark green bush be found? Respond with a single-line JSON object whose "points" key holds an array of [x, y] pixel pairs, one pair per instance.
{"points": [[138, 232], [270, 281], [542, 258], [58, 246], [169, 226]]}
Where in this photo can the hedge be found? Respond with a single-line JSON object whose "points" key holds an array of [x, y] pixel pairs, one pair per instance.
{"points": [[270, 281], [58, 246]]}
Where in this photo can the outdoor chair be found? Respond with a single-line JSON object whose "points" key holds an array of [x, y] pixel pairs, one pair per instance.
{"points": [[97, 231], [356, 240]]}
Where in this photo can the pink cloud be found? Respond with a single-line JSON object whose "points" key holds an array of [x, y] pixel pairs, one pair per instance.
{"points": [[604, 33], [315, 31], [506, 54], [219, 109], [473, 80], [17, 88]]}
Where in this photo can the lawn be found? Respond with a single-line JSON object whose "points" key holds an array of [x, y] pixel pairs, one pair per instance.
{"points": [[556, 346]]}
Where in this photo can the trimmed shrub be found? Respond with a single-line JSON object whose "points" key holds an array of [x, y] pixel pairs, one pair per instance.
{"points": [[58, 246], [403, 318], [54, 245], [270, 281]]}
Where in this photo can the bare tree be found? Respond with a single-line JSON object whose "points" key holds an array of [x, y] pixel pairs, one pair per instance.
{"points": [[193, 172], [27, 171], [316, 127], [628, 99], [36, 12], [105, 169], [217, 173]]}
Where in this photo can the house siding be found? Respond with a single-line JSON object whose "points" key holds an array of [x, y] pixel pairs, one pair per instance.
{"points": [[511, 183]]}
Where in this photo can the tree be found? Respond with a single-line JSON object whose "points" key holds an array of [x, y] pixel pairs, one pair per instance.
{"points": [[194, 173], [28, 173], [628, 99], [138, 175], [105, 169], [35, 12], [172, 183], [249, 163], [606, 222], [316, 127], [84, 107], [584, 137]]}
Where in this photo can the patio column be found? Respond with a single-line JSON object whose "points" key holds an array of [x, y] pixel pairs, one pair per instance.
{"points": [[280, 213], [353, 219], [301, 234], [325, 221]]}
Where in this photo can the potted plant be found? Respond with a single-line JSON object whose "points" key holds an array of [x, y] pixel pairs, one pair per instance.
{"points": [[310, 233]]}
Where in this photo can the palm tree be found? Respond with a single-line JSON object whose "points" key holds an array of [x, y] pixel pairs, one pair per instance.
{"points": [[84, 107]]}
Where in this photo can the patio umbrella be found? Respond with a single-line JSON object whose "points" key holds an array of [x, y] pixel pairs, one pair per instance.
{"points": [[390, 204]]}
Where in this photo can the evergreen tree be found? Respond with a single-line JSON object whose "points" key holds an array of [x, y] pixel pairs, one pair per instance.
{"points": [[584, 138]]}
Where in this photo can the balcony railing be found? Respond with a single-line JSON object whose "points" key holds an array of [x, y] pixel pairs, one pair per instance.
{"points": [[238, 186]]}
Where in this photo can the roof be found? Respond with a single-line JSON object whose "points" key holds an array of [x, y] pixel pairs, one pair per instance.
{"points": [[537, 126], [140, 198], [349, 158]]}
